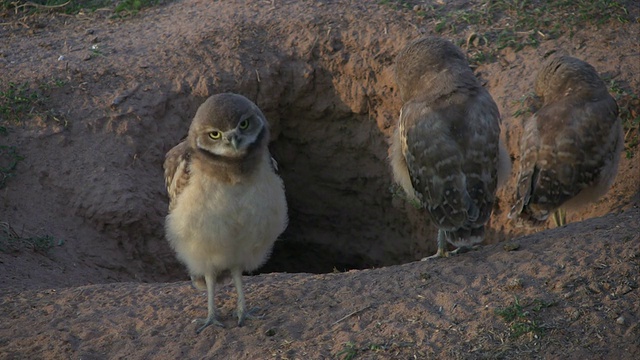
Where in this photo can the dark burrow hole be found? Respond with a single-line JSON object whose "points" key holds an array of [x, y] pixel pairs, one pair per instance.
{"points": [[298, 257], [334, 165]]}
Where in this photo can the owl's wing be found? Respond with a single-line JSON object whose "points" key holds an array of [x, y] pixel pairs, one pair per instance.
{"points": [[453, 148], [476, 128], [176, 171], [434, 160], [528, 172], [274, 165]]}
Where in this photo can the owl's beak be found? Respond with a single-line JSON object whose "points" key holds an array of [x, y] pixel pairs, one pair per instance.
{"points": [[234, 142]]}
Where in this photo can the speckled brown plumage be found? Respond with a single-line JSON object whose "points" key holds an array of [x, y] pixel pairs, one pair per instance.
{"points": [[570, 147], [446, 151]]}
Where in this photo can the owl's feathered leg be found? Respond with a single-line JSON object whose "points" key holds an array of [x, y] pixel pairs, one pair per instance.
{"points": [[211, 319], [442, 247], [243, 314], [237, 281], [560, 217]]}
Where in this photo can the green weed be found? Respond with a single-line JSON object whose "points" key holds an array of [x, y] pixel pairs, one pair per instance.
{"points": [[70, 7], [17, 100], [10, 241], [122, 8], [522, 318], [349, 351], [527, 105], [132, 7]]}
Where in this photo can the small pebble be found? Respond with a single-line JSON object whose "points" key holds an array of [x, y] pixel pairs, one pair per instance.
{"points": [[620, 320], [511, 246]]}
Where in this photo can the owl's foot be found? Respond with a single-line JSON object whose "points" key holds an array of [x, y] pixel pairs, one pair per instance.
{"points": [[440, 254], [242, 312], [210, 283], [211, 320], [442, 248], [464, 249], [243, 315]]}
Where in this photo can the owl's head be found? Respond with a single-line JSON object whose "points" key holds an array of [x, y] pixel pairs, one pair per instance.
{"points": [[228, 126], [431, 67], [565, 75]]}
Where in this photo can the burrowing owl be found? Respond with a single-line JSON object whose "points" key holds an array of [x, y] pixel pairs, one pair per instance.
{"points": [[570, 147], [446, 151], [226, 204]]}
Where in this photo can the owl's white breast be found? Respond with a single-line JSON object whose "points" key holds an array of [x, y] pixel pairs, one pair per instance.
{"points": [[218, 226]]}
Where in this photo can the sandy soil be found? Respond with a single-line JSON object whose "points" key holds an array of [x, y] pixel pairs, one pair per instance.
{"points": [[115, 95]]}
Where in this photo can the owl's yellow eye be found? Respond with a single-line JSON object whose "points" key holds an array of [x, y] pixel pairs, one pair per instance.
{"points": [[243, 124], [215, 135]]}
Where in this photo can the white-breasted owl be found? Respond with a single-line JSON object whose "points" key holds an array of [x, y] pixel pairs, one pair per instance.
{"points": [[227, 205]]}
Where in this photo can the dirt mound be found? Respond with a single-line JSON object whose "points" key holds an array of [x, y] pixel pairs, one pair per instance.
{"points": [[325, 83], [569, 293]]}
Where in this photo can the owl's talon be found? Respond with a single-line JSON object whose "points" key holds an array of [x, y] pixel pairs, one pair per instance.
{"points": [[250, 314], [437, 255], [465, 249], [206, 323]]}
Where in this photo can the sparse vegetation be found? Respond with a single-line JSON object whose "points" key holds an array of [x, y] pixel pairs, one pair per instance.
{"points": [[132, 7], [123, 8], [629, 113], [349, 351], [63, 6], [522, 318], [526, 105], [515, 23], [19, 102], [95, 50], [10, 241]]}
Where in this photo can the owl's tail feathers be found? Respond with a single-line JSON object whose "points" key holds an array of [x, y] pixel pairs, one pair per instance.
{"points": [[531, 215], [516, 210], [525, 187], [537, 212], [465, 237], [199, 282], [473, 211]]}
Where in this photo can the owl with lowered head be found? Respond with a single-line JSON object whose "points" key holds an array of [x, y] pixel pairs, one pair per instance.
{"points": [[446, 151], [570, 147]]}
